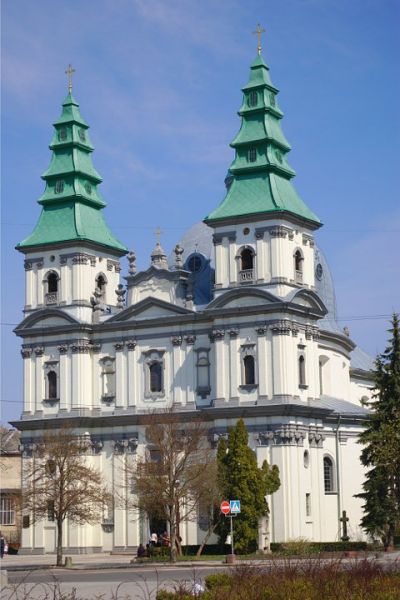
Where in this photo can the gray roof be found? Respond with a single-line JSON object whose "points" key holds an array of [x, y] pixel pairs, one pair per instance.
{"points": [[340, 406]]}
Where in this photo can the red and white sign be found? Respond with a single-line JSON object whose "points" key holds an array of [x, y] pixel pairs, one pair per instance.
{"points": [[225, 507]]}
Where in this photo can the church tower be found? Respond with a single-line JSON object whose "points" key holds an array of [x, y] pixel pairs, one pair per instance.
{"points": [[263, 231], [71, 253]]}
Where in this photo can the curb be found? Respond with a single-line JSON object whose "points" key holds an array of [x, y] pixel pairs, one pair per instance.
{"points": [[106, 567]]}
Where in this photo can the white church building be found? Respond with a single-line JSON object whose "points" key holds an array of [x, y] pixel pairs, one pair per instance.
{"points": [[239, 321]]}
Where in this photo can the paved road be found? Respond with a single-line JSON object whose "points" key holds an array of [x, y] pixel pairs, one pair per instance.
{"points": [[138, 584]]}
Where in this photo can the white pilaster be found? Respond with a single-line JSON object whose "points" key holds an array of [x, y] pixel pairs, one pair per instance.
{"points": [[177, 376], [234, 367], [131, 375], [120, 377], [64, 378], [262, 365]]}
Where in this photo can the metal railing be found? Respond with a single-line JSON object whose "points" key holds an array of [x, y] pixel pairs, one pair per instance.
{"points": [[51, 298], [246, 276]]}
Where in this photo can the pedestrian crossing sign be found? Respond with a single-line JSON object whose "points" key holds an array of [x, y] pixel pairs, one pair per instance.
{"points": [[235, 506]]}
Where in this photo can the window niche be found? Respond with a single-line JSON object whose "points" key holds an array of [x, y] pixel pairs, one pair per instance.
{"points": [[101, 286], [203, 372], [51, 374], [301, 365], [298, 260], [248, 366], [154, 374], [107, 379]]}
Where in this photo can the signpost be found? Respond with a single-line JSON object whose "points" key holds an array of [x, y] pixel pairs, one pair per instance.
{"points": [[230, 509]]}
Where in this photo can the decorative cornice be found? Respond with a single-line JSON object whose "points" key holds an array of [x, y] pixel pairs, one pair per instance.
{"points": [[80, 347], [62, 348], [122, 446], [190, 339], [308, 239], [311, 332], [218, 237], [39, 350], [113, 264], [233, 332], [261, 329], [26, 352], [283, 327], [216, 334], [80, 258], [315, 438], [131, 344], [281, 231], [119, 346], [176, 340]]}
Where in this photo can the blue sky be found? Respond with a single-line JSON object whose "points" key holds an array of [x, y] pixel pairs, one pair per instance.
{"points": [[159, 83]]}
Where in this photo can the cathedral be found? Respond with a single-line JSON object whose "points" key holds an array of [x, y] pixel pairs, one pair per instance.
{"points": [[239, 320]]}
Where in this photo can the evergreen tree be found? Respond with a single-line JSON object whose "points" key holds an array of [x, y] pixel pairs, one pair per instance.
{"points": [[240, 478], [381, 440]]}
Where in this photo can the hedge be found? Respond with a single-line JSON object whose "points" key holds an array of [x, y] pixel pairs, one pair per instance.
{"points": [[316, 547]]}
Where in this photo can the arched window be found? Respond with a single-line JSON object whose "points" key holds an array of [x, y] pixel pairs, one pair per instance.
{"points": [[249, 370], [302, 371], [246, 259], [155, 377], [52, 282], [298, 266], [329, 480], [203, 372], [52, 385]]}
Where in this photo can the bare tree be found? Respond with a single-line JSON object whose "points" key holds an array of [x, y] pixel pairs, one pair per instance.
{"points": [[173, 476], [59, 483]]}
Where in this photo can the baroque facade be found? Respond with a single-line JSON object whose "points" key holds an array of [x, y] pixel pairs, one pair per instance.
{"points": [[239, 321]]}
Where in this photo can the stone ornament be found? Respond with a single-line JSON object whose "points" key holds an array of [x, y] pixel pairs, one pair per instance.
{"points": [[80, 347], [176, 340], [119, 346], [190, 339], [39, 350], [132, 262], [120, 291], [62, 348], [178, 250], [131, 344]]}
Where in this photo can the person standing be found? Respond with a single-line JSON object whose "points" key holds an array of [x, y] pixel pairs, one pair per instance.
{"points": [[2, 545]]}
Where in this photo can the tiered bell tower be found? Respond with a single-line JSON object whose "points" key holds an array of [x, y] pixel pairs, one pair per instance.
{"points": [[71, 252], [263, 231]]}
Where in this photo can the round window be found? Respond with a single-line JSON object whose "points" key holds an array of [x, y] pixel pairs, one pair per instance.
{"points": [[306, 459], [319, 271], [195, 263], [246, 231]]}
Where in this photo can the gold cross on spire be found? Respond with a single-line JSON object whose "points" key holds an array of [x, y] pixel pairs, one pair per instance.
{"points": [[258, 32], [69, 72], [157, 233]]}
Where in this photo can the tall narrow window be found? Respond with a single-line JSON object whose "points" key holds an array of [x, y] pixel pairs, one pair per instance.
{"points": [[156, 377], [203, 372], [59, 187], [52, 282], [329, 482], [252, 154], [253, 98], [308, 505], [321, 383], [50, 510], [154, 374], [302, 371], [62, 134], [249, 370], [298, 266], [108, 378], [52, 392], [7, 511]]}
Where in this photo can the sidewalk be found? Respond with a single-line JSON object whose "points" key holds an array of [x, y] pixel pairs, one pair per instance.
{"points": [[25, 562]]}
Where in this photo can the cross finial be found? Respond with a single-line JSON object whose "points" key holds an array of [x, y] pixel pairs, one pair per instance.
{"points": [[69, 72], [158, 233], [258, 32]]}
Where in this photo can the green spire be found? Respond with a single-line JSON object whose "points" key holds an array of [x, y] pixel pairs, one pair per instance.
{"points": [[71, 200], [261, 176]]}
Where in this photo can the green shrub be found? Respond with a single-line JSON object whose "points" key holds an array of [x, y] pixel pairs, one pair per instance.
{"points": [[217, 580], [301, 546]]}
